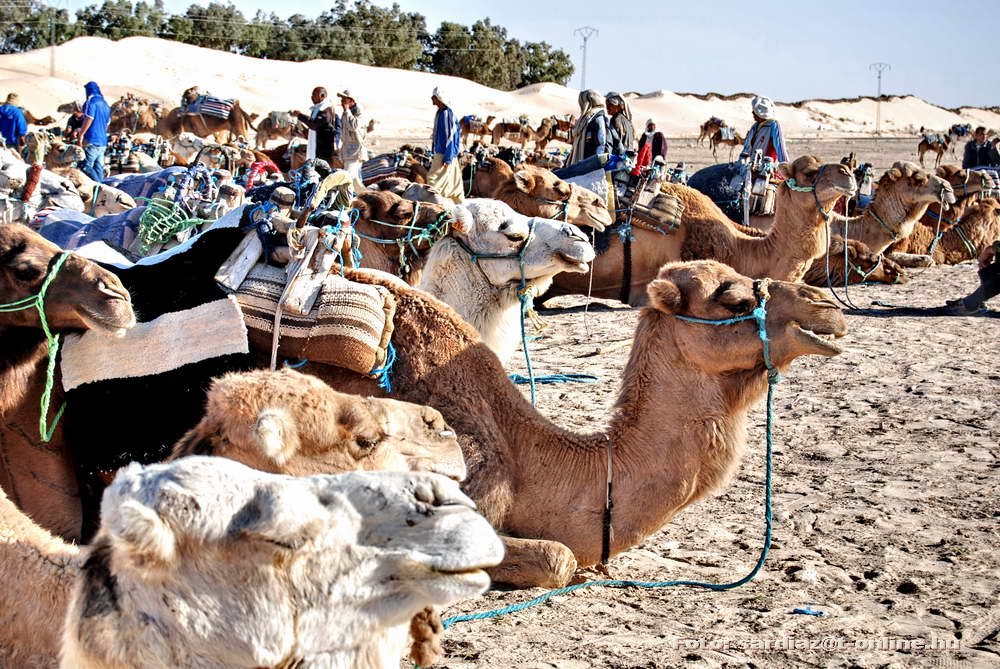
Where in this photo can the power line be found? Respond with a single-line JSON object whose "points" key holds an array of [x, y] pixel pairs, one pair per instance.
{"points": [[586, 32]]}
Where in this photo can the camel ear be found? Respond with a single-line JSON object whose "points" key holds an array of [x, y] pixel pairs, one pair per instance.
{"points": [[524, 181], [276, 435], [462, 222], [143, 536], [735, 297], [784, 169], [665, 296]]}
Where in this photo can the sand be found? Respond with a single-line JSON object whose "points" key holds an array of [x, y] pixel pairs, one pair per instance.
{"points": [[400, 99]]}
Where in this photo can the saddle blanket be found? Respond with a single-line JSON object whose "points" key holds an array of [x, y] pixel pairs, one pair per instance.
{"points": [[208, 105], [934, 138], [727, 133]]}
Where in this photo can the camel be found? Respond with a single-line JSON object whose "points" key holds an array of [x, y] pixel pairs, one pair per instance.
{"points": [[708, 129], [784, 252], [226, 562], [862, 266], [536, 191], [31, 119], [176, 121], [279, 125], [409, 190], [63, 155], [35, 187], [486, 292], [133, 114], [717, 139], [938, 143], [903, 195], [473, 125], [679, 374], [978, 227], [99, 199], [286, 422], [522, 133]]}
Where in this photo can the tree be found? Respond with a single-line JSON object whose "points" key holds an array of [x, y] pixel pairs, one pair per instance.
{"points": [[216, 26], [116, 19], [26, 26], [543, 63], [482, 53]]}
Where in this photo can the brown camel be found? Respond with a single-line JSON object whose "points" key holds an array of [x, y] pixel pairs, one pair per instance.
{"points": [[903, 195], [291, 423], [176, 121], [473, 125], [279, 125], [522, 133], [82, 296], [785, 252], [134, 114], [536, 191], [31, 119], [708, 129], [678, 373], [978, 227], [862, 266], [717, 139], [937, 142]]}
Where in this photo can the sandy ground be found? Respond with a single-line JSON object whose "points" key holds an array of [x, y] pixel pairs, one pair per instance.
{"points": [[885, 507]]}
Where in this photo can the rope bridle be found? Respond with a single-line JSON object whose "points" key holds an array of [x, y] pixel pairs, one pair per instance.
{"points": [[37, 301]]}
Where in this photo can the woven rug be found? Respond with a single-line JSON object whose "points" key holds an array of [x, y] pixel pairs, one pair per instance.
{"points": [[350, 325]]}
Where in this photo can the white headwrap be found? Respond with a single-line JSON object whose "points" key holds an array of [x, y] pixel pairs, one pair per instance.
{"points": [[762, 107], [440, 96]]}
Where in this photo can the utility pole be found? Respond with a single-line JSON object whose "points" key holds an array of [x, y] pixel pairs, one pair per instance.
{"points": [[52, 44], [879, 68], [585, 33]]}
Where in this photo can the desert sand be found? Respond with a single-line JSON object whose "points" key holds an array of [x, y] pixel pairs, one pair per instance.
{"points": [[399, 99]]}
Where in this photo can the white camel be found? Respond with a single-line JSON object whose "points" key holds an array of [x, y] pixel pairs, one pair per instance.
{"points": [[464, 271], [207, 564]]}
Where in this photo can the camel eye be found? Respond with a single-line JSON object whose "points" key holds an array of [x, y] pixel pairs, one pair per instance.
{"points": [[514, 236], [367, 443], [27, 273]]}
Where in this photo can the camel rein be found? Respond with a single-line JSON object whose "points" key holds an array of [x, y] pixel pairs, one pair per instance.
{"points": [[37, 301], [759, 315]]}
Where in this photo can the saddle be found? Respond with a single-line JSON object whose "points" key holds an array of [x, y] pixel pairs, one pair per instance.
{"points": [[727, 133], [933, 138], [208, 105]]}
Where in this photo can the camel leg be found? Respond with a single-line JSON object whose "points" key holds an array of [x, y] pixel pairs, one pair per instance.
{"points": [[911, 260], [530, 563]]}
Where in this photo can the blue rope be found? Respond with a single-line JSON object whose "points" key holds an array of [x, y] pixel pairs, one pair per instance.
{"points": [[381, 374], [298, 364], [549, 379], [759, 314]]}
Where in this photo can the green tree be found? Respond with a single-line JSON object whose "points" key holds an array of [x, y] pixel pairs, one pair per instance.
{"points": [[216, 26], [543, 63], [482, 53], [30, 25], [116, 19]]}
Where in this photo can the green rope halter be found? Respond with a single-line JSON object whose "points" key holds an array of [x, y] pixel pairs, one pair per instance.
{"points": [[37, 301]]}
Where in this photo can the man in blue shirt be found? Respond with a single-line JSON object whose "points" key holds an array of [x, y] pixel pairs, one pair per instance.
{"points": [[94, 134], [445, 174], [13, 125]]}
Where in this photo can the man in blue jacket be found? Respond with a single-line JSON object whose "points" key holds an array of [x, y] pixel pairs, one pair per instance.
{"points": [[13, 125], [94, 134], [445, 173], [979, 152]]}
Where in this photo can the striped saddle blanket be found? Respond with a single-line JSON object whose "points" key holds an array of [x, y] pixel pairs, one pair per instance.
{"points": [[349, 326], [385, 166], [934, 138], [208, 105]]}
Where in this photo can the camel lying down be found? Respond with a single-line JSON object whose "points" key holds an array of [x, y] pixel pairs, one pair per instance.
{"points": [[207, 563]]}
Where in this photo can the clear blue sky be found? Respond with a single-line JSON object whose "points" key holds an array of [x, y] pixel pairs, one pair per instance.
{"points": [[945, 52]]}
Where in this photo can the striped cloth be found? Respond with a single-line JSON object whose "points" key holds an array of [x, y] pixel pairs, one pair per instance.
{"points": [[350, 325], [208, 105]]}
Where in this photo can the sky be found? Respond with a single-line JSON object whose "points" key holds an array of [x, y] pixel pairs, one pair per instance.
{"points": [[943, 52]]}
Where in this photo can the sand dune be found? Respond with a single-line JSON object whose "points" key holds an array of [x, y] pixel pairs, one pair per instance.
{"points": [[400, 99]]}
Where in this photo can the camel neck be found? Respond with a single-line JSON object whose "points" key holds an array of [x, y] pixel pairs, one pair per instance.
{"points": [[887, 220], [40, 572], [793, 241], [21, 351], [677, 435]]}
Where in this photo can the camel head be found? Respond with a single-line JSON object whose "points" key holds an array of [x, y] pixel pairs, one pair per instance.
{"points": [[539, 182], [830, 182], [110, 200], [801, 320], [82, 296], [912, 185], [291, 423], [549, 193], [546, 247], [965, 182], [207, 562], [586, 208]]}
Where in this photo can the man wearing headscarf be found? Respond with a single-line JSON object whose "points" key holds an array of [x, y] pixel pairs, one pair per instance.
{"points": [[620, 125], [445, 174], [13, 125], [765, 134], [652, 145], [94, 132], [589, 135], [74, 124], [353, 150]]}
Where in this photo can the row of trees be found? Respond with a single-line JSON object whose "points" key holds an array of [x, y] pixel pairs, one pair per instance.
{"points": [[357, 31]]}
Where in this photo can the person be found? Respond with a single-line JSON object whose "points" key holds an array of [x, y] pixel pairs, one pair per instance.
{"points": [[989, 284], [589, 135], [979, 152], [94, 133], [74, 124], [352, 149], [323, 124], [622, 133], [652, 145], [13, 126], [765, 134], [445, 173]]}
